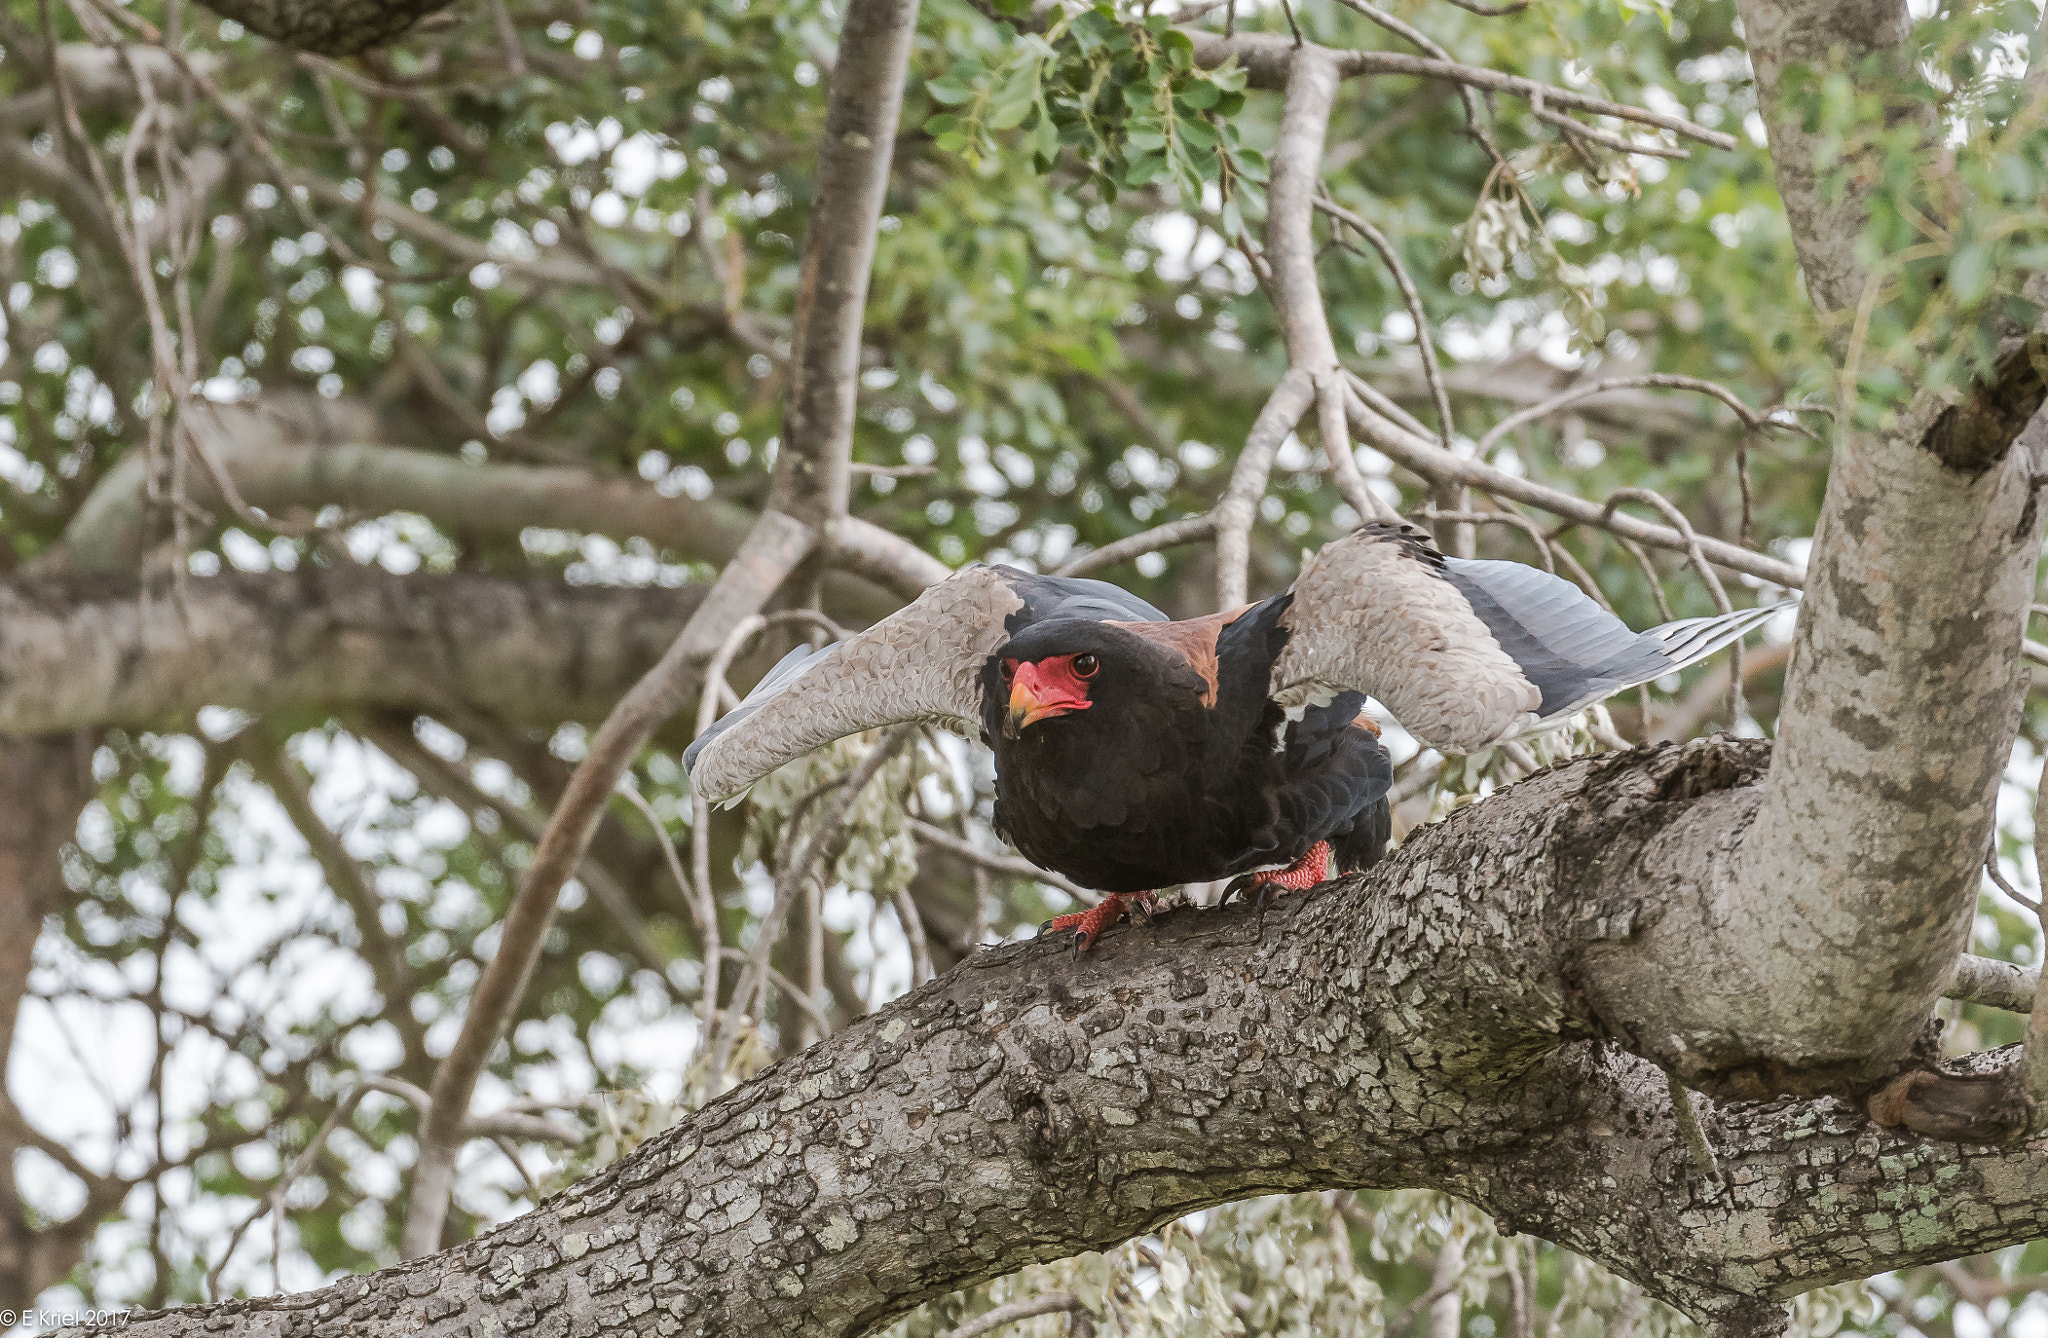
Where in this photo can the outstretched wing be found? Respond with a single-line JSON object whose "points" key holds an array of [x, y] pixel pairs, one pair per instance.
{"points": [[1467, 653], [922, 662]]}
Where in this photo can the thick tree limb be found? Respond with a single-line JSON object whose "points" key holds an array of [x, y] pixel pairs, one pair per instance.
{"points": [[811, 475], [1420, 1025], [278, 474], [100, 651], [327, 27], [1817, 39], [44, 784], [1901, 700], [277, 466]]}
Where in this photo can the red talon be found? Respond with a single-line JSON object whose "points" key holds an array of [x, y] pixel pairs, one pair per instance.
{"points": [[1091, 922], [1312, 868]]}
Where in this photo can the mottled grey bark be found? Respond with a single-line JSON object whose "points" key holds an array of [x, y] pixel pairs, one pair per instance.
{"points": [[100, 651], [1421, 1025], [327, 27], [1859, 862], [1795, 45]]}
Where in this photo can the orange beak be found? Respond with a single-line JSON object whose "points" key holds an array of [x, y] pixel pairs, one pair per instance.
{"points": [[1037, 692], [1026, 706]]}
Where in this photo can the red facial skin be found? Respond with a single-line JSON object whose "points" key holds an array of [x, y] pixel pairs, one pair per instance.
{"points": [[1049, 687]]}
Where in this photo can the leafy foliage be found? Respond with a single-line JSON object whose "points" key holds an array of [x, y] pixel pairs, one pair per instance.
{"points": [[581, 248], [1123, 94]]}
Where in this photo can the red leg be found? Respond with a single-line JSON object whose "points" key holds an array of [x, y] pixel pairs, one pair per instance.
{"points": [[1091, 922], [1312, 868]]}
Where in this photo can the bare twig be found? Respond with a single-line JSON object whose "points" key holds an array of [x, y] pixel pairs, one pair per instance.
{"points": [[1028, 1307], [1330, 420], [1265, 57], [1698, 559], [1008, 865], [1580, 130], [1383, 405], [790, 990], [1994, 984], [1431, 461], [819, 848], [1753, 419], [1239, 505], [1412, 299], [1187, 530], [1997, 876], [913, 933]]}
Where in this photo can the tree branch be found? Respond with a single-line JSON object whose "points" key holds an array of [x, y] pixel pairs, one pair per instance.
{"points": [[96, 651], [44, 785], [770, 554], [328, 27], [1266, 58], [808, 498], [1419, 1025]]}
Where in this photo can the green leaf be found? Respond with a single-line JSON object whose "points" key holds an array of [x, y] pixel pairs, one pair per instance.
{"points": [[1145, 171], [1199, 95], [948, 91], [1969, 273], [1045, 142]]}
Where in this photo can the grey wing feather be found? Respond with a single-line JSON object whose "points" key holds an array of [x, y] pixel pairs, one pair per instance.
{"points": [[787, 670], [1573, 651], [923, 662], [1468, 653]]}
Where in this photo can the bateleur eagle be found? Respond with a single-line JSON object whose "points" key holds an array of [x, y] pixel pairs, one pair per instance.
{"points": [[1134, 752]]}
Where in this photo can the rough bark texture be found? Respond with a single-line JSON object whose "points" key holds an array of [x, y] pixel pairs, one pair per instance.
{"points": [[327, 27], [44, 783], [100, 651], [1809, 40], [1421, 1025], [1859, 859]]}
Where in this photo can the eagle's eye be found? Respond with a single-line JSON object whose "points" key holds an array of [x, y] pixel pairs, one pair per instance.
{"points": [[1086, 665], [1009, 670]]}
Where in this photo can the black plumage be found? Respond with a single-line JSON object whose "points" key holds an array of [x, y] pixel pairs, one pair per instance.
{"points": [[1182, 769], [1134, 753]]}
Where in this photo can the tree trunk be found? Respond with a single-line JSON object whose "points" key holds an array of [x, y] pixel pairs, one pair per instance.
{"points": [[44, 783]]}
